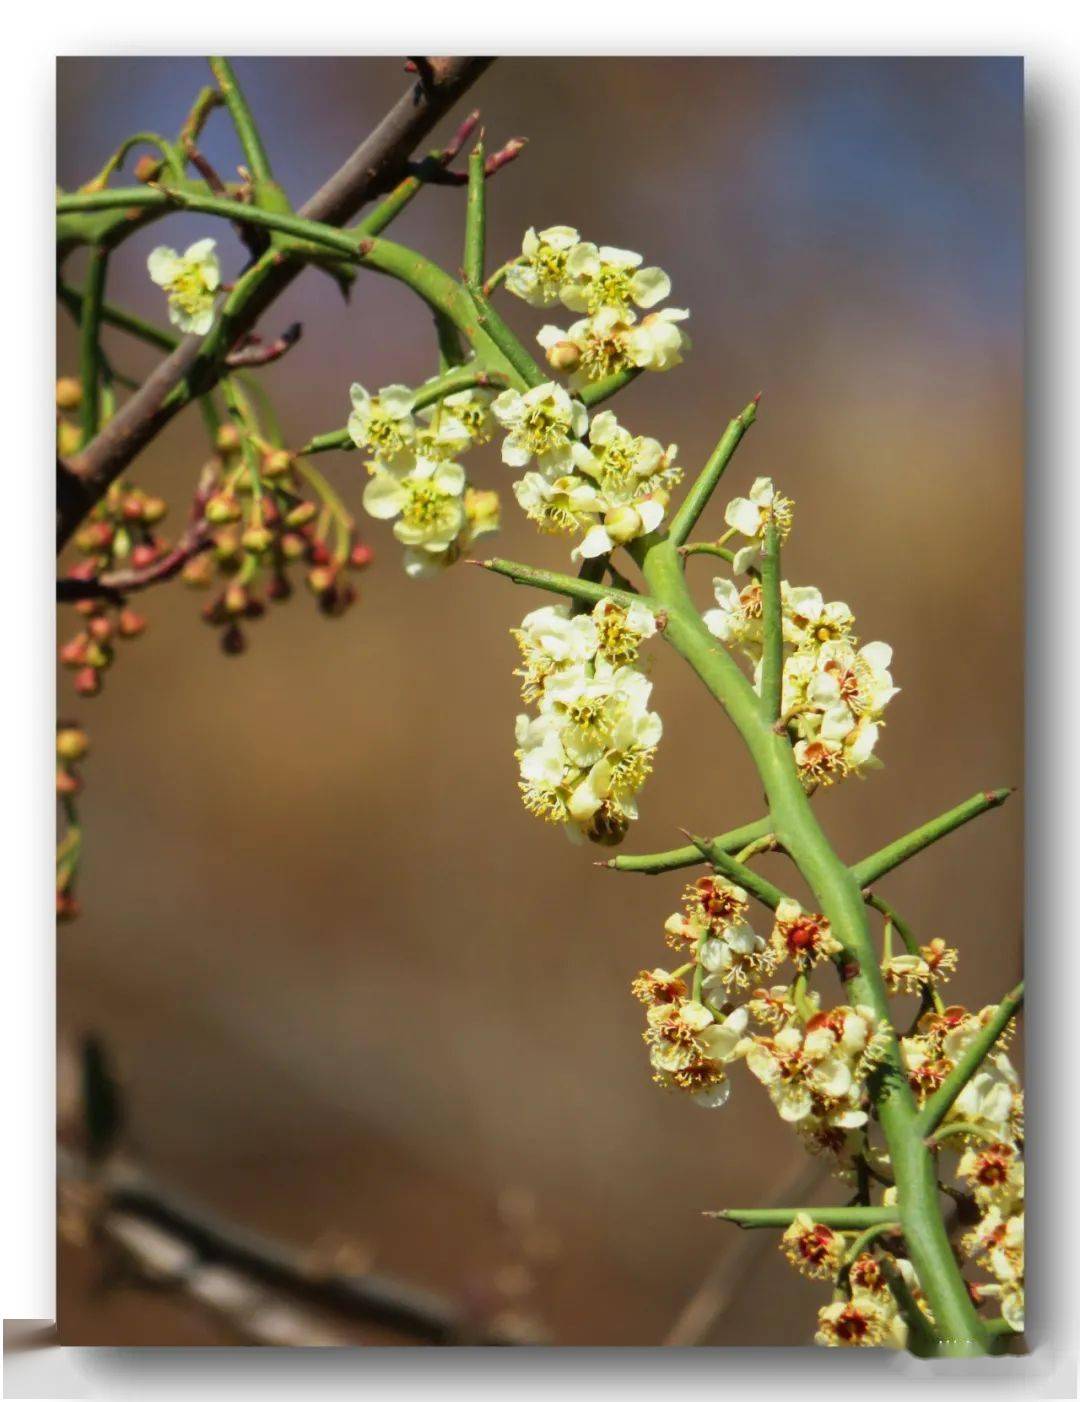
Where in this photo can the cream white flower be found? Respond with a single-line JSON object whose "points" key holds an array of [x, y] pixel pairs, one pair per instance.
{"points": [[610, 277], [659, 343], [190, 278], [542, 423], [384, 424], [457, 422], [750, 515], [633, 476], [426, 502], [538, 276], [736, 620], [856, 679], [559, 505], [689, 1047], [481, 518], [621, 629], [612, 341], [550, 639]]}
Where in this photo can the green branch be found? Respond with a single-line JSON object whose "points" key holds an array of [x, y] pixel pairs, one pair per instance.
{"points": [[772, 658], [475, 221], [762, 890], [708, 547], [941, 1102], [697, 498], [840, 1218], [872, 868], [90, 342], [573, 588], [652, 863], [255, 156], [603, 389], [839, 898]]}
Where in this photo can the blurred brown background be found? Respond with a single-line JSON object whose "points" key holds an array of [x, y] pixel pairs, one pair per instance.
{"points": [[352, 986]]}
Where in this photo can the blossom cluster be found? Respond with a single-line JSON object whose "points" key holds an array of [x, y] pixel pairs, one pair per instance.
{"points": [[985, 1127], [720, 1007], [613, 488], [415, 478], [590, 746], [833, 692], [812, 1063], [609, 286]]}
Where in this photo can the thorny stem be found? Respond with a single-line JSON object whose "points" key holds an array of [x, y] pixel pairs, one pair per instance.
{"points": [[475, 221], [840, 1218], [696, 499], [250, 140], [959, 1329], [581, 589], [940, 1103], [651, 864], [90, 342], [872, 868], [708, 547]]}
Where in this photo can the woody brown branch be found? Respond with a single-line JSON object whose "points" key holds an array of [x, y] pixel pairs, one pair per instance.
{"points": [[372, 168], [422, 1316]]}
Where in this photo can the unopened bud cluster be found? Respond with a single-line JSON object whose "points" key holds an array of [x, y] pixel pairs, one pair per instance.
{"points": [[263, 520], [120, 533], [72, 747]]}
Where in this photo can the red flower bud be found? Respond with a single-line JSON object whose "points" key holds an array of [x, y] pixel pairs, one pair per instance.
{"points": [[87, 682]]}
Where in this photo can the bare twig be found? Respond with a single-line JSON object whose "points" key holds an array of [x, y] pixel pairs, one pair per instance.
{"points": [[255, 352], [179, 1242]]}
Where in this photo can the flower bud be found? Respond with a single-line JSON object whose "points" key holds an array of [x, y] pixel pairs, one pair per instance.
{"points": [[222, 508], [622, 523], [98, 656], [100, 628], [361, 556], [235, 600], [68, 393], [130, 624], [153, 509], [276, 463], [293, 546], [87, 682], [73, 653], [256, 540], [67, 783], [196, 573], [320, 579], [71, 743], [148, 168], [68, 438], [227, 439], [303, 513], [95, 537], [143, 556], [563, 355]]}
